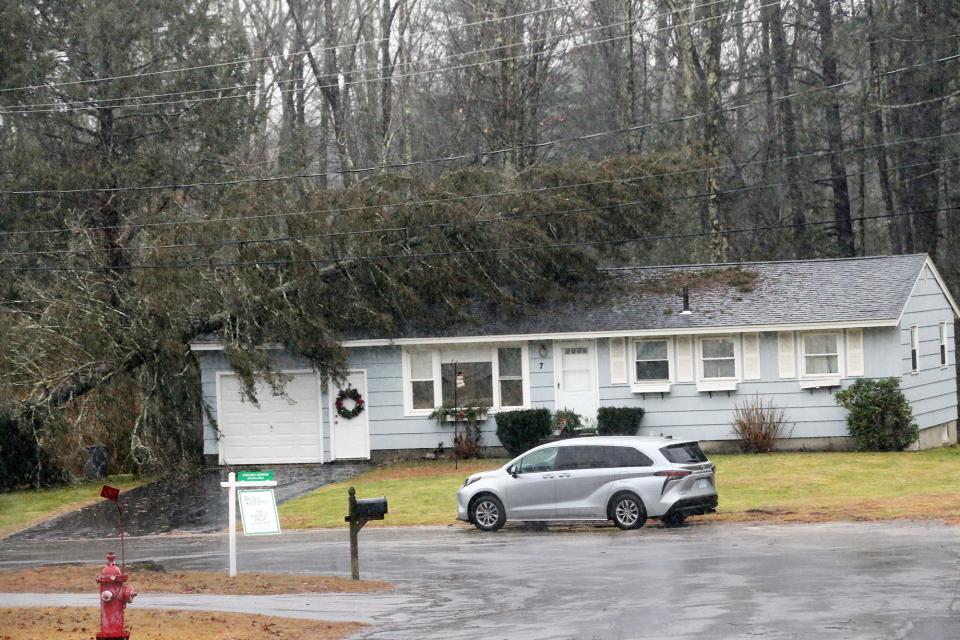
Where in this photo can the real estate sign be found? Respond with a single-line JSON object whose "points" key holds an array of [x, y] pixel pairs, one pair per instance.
{"points": [[258, 512]]}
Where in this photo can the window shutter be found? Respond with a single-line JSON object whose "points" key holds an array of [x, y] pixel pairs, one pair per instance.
{"points": [[854, 352], [788, 354], [684, 359], [618, 361], [751, 356]]}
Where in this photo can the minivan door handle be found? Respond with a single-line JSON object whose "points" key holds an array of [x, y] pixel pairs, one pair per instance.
{"points": [[563, 475], [547, 477]]}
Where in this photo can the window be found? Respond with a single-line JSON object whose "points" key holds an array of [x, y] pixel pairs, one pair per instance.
{"points": [[821, 354], [421, 379], [943, 344], [718, 358], [652, 361], [538, 461], [477, 375], [914, 348], [684, 453], [630, 457], [571, 458], [510, 361], [467, 384]]}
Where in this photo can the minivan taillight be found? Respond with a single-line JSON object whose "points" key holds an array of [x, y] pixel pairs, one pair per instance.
{"points": [[673, 475]]}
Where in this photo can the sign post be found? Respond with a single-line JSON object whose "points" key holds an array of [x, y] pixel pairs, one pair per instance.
{"points": [[246, 480]]}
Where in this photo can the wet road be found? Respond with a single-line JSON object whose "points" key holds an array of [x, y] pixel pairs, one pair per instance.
{"points": [[191, 503], [843, 581]]}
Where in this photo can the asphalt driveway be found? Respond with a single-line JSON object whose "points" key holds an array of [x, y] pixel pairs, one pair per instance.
{"points": [[834, 581], [188, 504]]}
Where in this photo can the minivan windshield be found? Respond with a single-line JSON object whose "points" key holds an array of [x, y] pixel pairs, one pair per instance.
{"points": [[683, 453]]}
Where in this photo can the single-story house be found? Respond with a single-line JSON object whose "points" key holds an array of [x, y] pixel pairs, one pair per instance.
{"points": [[686, 343]]}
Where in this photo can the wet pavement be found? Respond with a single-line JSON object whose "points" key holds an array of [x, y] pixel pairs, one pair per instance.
{"points": [[843, 581], [189, 504]]}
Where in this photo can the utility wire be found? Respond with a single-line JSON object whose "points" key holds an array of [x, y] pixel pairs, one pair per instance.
{"points": [[510, 193], [491, 152], [229, 63], [98, 103], [469, 252], [496, 218]]}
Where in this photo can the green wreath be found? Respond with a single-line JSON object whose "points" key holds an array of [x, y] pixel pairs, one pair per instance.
{"points": [[354, 395]]}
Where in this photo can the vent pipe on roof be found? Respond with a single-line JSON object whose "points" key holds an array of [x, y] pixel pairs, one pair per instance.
{"points": [[686, 302]]}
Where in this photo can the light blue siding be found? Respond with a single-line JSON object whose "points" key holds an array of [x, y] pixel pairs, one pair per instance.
{"points": [[685, 412], [932, 391], [389, 427]]}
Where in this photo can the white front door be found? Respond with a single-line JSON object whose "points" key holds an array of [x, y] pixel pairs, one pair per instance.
{"points": [[576, 378], [350, 437]]}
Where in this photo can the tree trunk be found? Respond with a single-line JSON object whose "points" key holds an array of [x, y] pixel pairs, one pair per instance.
{"points": [[838, 175], [802, 248]]}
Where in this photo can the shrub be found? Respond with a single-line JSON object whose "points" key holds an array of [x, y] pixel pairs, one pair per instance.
{"points": [[522, 430], [618, 421], [759, 425], [23, 462], [879, 418], [566, 422]]}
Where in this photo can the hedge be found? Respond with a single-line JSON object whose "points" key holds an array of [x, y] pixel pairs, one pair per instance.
{"points": [[522, 430], [618, 421]]}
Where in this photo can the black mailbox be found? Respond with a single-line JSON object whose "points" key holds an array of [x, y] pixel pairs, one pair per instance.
{"points": [[371, 508]]}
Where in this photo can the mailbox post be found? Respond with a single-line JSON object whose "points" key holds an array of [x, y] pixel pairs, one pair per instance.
{"points": [[360, 512]]}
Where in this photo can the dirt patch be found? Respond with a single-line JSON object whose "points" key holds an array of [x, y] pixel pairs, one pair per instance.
{"points": [[69, 623], [81, 578], [742, 280]]}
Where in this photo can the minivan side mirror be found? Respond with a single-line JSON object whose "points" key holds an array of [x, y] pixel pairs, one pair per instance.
{"points": [[512, 471]]}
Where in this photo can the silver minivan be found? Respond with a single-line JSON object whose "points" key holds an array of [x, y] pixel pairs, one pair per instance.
{"points": [[626, 479]]}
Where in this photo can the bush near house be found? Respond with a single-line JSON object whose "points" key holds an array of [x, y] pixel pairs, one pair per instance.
{"points": [[619, 421], [880, 418], [758, 425], [23, 462], [522, 430]]}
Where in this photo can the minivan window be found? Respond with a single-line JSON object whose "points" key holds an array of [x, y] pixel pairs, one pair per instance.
{"points": [[538, 461], [630, 457], [586, 457], [683, 453]]}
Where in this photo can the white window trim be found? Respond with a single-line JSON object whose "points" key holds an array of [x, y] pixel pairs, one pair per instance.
{"points": [[651, 386], [719, 384], [943, 350], [407, 380], [816, 380]]}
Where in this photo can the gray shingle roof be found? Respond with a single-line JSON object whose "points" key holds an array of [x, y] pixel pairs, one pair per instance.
{"points": [[783, 293]]}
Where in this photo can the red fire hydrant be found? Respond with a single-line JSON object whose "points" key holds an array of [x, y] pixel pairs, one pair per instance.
{"points": [[114, 596]]}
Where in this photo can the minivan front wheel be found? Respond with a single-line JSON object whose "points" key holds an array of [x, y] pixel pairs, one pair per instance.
{"points": [[627, 511], [487, 513]]}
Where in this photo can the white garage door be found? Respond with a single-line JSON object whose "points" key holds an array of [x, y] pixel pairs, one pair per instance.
{"points": [[283, 429]]}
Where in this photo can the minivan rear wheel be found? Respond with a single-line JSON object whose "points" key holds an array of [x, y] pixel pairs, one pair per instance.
{"points": [[487, 513], [627, 511]]}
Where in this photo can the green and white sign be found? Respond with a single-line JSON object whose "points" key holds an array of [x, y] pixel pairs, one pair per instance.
{"points": [[258, 511], [254, 476]]}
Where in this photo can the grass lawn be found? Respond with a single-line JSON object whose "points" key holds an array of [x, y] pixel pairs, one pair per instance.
{"points": [[65, 623], [779, 487], [26, 507]]}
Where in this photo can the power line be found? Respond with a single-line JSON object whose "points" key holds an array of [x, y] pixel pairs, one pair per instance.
{"points": [[128, 76], [511, 193], [468, 252], [496, 219], [535, 145], [97, 103]]}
